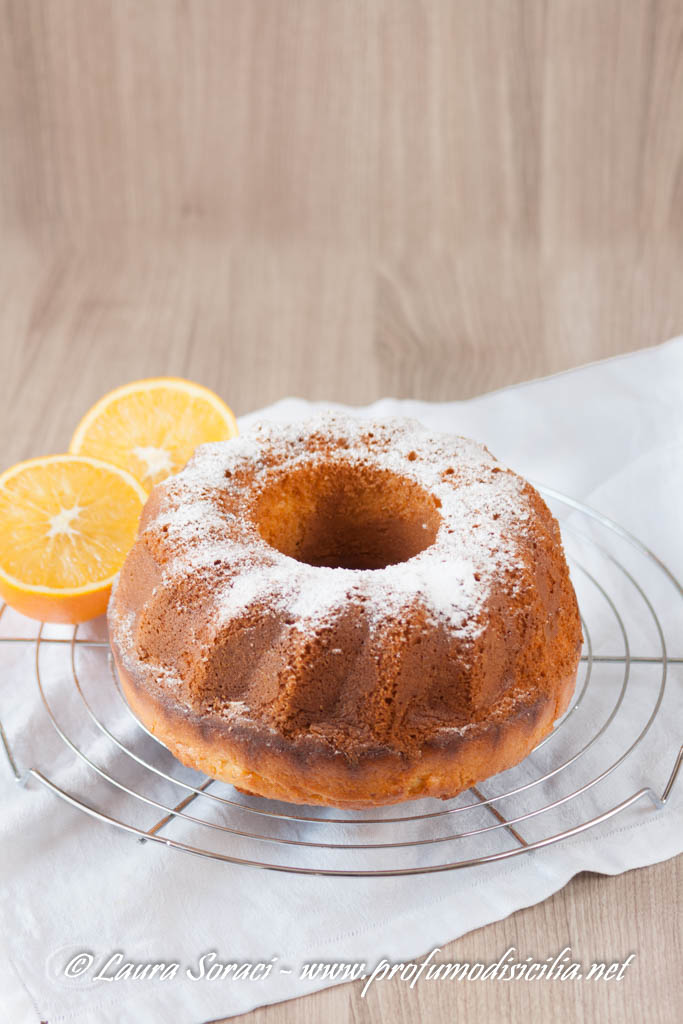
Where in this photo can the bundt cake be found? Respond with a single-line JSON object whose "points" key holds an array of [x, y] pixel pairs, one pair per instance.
{"points": [[346, 612]]}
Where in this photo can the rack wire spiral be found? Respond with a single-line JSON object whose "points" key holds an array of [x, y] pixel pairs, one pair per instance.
{"points": [[118, 773]]}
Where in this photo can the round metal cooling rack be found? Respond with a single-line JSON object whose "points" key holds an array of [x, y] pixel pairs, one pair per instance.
{"points": [[121, 775]]}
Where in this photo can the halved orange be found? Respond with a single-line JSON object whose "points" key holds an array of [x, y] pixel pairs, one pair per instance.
{"points": [[151, 427], [66, 525]]}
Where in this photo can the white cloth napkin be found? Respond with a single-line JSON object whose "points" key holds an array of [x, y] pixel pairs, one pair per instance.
{"points": [[609, 434]]}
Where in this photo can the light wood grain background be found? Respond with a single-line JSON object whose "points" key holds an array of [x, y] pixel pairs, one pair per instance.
{"points": [[346, 199]]}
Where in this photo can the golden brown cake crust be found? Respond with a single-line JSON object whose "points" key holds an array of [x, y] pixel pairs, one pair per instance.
{"points": [[346, 612], [305, 773]]}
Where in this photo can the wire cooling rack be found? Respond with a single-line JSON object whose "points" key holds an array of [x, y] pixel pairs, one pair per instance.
{"points": [[105, 763]]}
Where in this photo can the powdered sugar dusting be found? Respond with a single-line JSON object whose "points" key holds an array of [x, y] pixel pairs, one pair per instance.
{"points": [[482, 508]]}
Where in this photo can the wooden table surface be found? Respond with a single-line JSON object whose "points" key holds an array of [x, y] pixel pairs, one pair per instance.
{"points": [[345, 200]]}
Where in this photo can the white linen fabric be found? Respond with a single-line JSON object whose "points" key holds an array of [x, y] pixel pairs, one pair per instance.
{"points": [[610, 435]]}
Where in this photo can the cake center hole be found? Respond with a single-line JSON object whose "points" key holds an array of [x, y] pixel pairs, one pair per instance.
{"points": [[347, 517]]}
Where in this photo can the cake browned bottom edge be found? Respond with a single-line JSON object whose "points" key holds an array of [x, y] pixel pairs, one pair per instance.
{"points": [[257, 765]]}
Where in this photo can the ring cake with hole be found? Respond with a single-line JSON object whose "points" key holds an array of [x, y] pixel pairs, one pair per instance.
{"points": [[346, 612]]}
